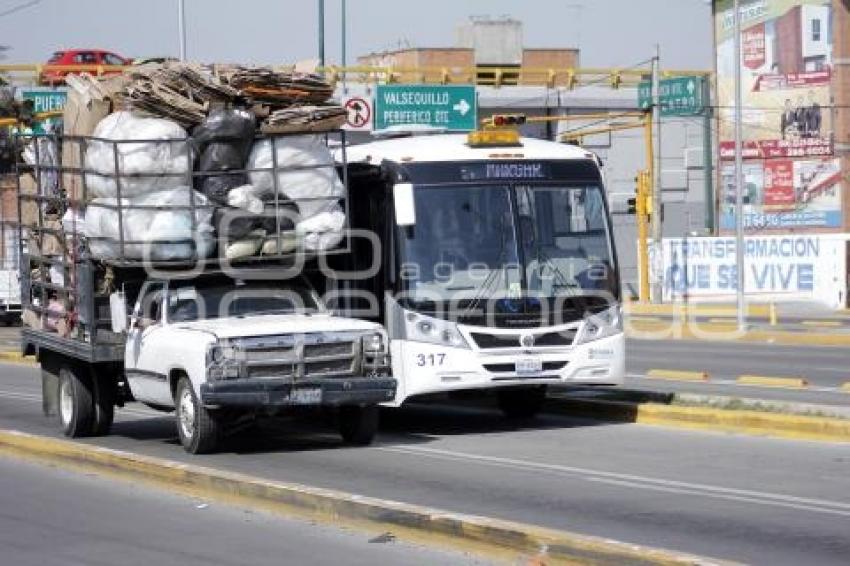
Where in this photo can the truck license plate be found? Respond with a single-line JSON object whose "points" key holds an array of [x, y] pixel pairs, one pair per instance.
{"points": [[529, 366], [306, 396]]}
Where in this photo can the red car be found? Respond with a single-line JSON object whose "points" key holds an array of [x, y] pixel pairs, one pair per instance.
{"points": [[54, 76]]}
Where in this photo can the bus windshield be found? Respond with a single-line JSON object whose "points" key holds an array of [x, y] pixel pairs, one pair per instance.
{"points": [[471, 243]]}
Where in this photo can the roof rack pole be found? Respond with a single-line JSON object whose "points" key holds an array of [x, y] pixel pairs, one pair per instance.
{"points": [[118, 200]]}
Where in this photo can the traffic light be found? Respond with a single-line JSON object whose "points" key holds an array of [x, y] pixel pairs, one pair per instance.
{"points": [[641, 203], [502, 120]]}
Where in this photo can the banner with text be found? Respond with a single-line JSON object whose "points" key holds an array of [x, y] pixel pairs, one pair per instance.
{"points": [[792, 267]]}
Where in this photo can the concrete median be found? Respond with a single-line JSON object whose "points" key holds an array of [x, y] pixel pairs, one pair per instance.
{"points": [[758, 423], [482, 536]]}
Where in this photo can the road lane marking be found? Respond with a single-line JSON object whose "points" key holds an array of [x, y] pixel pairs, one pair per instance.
{"points": [[831, 323], [700, 489], [770, 381], [677, 375]]}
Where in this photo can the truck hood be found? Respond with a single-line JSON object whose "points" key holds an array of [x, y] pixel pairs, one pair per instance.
{"points": [[271, 325]]}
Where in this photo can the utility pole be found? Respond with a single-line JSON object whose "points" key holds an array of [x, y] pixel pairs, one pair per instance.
{"points": [[739, 173], [181, 27], [343, 39], [657, 247], [322, 33], [708, 162]]}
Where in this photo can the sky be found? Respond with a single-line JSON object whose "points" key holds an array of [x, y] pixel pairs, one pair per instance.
{"points": [[610, 33]]}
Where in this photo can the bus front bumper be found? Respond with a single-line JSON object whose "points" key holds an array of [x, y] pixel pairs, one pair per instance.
{"points": [[428, 368]]}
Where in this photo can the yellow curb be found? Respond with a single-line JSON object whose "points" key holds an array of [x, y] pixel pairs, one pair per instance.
{"points": [[677, 375], [424, 525], [642, 318], [729, 333], [756, 423], [694, 309], [769, 381], [832, 323], [16, 358]]}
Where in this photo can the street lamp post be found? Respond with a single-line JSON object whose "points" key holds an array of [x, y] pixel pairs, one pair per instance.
{"points": [[322, 33], [181, 27], [739, 173]]}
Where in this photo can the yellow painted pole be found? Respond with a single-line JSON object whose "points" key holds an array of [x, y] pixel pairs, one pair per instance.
{"points": [[647, 177], [643, 232]]}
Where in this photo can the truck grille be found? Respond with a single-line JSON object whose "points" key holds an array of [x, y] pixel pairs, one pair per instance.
{"points": [[300, 356]]}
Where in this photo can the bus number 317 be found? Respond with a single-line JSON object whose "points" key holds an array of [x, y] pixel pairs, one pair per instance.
{"points": [[430, 359]]}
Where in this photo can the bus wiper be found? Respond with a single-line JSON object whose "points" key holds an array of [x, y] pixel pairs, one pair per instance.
{"points": [[492, 276]]}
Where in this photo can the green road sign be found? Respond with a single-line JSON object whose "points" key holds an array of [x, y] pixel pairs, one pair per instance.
{"points": [[45, 100], [451, 107], [679, 96]]}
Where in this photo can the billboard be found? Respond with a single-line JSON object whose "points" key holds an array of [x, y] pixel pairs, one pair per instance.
{"points": [[786, 58], [790, 267]]}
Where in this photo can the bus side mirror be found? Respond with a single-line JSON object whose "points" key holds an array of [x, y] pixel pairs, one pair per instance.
{"points": [[405, 209], [118, 312]]}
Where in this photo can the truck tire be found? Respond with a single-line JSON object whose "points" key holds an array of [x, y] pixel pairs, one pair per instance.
{"points": [[358, 425], [76, 405], [104, 403], [521, 402], [197, 427]]}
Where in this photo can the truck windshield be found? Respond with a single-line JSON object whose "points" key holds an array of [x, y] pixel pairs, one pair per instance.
{"points": [[531, 242], [210, 300]]}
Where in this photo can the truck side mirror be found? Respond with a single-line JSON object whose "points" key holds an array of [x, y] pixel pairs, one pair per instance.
{"points": [[118, 312], [405, 208]]}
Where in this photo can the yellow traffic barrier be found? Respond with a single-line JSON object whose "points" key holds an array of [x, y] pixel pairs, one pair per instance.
{"points": [[846, 387], [677, 375], [770, 381]]}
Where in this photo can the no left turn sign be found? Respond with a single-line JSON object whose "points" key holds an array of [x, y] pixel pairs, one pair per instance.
{"points": [[359, 113]]}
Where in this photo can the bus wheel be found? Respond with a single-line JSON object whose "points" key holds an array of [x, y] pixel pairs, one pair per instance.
{"points": [[521, 402], [76, 404]]}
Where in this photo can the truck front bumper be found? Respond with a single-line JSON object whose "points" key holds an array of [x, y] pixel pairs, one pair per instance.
{"points": [[326, 391]]}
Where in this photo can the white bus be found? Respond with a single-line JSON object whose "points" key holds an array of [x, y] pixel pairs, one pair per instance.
{"points": [[496, 270]]}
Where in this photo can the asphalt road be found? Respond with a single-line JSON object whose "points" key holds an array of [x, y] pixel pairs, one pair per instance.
{"points": [[53, 516], [826, 368], [756, 500]]}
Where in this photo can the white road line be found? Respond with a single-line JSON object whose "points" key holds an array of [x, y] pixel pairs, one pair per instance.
{"points": [[644, 482]]}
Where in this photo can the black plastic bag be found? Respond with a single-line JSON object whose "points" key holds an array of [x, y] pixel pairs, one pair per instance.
{"points": [[224, 142]]}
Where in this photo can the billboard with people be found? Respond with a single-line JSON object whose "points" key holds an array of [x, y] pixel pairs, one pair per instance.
{"points": [[791, 177]]}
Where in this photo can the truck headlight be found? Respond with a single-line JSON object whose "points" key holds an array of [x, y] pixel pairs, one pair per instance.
{"points": [[374, 344], [601, 325], [434, 331], [223, 362]]}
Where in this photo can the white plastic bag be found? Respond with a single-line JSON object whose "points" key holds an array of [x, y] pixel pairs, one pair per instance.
{"points": [[164, 164], [297, 151], [158, 232], [323, 231]]}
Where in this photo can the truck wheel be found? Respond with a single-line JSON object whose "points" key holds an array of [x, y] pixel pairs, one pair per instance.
{"points": [[358, 425], [196, 425], [521, 402], [104, 404], [76, 407]]}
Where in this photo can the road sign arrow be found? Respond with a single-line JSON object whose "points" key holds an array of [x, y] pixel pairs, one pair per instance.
{"points": [[462, 107]]}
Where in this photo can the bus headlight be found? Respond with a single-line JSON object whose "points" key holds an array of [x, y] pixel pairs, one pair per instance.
{"points": [[435, 331], [601, 325]]}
